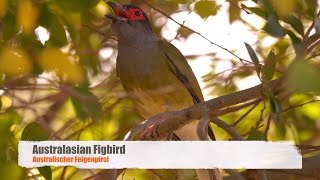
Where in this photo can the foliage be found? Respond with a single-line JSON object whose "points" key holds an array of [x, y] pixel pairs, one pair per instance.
{"points": [[64, 86]]}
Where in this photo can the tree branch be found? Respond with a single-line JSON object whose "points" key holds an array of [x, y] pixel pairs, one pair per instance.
{"points": [[218, 106], [310, 171]]}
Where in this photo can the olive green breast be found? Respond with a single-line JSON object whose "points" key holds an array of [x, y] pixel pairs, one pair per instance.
{"points": [[147, 78]]}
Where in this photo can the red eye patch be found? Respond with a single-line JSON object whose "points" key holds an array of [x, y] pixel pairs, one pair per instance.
{"points": [[135, 14]]}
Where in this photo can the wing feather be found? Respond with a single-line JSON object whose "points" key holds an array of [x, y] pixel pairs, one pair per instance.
{"points": [[180, 67]]}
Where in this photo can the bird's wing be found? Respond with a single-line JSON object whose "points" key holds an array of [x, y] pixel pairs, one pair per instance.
{"points": [[180, 67]]}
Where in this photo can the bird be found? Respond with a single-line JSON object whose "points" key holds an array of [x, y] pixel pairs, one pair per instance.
{"points": [[154, 72]]}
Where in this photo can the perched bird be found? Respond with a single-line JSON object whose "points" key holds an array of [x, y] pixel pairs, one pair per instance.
{"points": [[154, 72]]}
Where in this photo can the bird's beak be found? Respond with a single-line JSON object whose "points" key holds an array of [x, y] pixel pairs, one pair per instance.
{"points": [[120, 13]]}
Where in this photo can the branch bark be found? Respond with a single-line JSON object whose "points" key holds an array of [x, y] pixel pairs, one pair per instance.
{"points": [[217, 107], [310, 171]]}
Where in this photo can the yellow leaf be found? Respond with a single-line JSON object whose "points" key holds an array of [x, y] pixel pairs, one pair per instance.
{"points": [[65, 66], [101, 9], [284, 7], [14, 62], [3, 7], [27, 15]]}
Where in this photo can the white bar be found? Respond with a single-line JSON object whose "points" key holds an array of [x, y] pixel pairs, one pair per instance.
{"points": [[173, 155]]}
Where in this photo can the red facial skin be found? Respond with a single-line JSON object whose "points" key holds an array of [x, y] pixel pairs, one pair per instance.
{"points": [[133, 14]]}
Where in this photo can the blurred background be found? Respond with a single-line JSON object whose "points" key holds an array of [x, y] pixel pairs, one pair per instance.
{"points": [[58, 78]]}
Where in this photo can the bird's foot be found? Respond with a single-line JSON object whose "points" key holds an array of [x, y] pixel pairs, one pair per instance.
{"points": [[150, 132]]}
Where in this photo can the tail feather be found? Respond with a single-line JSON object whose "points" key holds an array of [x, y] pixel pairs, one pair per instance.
{"points": [[209, 174], [189, 132]]}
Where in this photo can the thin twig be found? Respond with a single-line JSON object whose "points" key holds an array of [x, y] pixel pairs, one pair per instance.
{"points": [[299, 105], [186, 27], [228, 128], [268, 125], [245, 114]]}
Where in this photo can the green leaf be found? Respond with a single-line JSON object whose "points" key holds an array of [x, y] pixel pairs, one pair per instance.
{"points": [[234, 11], [254, 58], [269, 67], [53, 23], [267, 5], [7, 120], [88, 105], [1, 79], [11, 170], [295, 23], [76, 5], [206, 8], [11, 116], [275, 108], [296, 42], [46, 172], [304, 77], [255, 135], [309, 7], [57, 33], [9, 28], [273, 27], [258, 11], [46, 17], [34, 132]]}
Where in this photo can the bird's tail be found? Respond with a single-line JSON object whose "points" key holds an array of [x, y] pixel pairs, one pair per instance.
{"points": [[209, 174], [189, 132]]}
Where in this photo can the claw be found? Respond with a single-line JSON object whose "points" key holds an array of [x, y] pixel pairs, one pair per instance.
{"points": [[150, 132]]}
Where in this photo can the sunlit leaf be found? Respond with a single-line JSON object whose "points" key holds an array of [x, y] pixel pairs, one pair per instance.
{"points": [[254, 58], [275, 108], [102, 8], [273, 27], [308, 7], [206, 8], [267, 5], [3, 7], [183, 32], [234, 11], [269, 67], [15, 62], [34, 132], [295, 23], [55, 27], [9, 26], [46, 172], [1, 79], [304, 77], [258, 11], [88, 105], [77, 5], [66, 67], [7, 120], [255, 135], [11, 170], [296, 42], [284, 7], [27, 15]]}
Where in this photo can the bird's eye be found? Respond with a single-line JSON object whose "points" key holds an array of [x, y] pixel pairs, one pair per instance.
{"points": [[137, 13]]}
